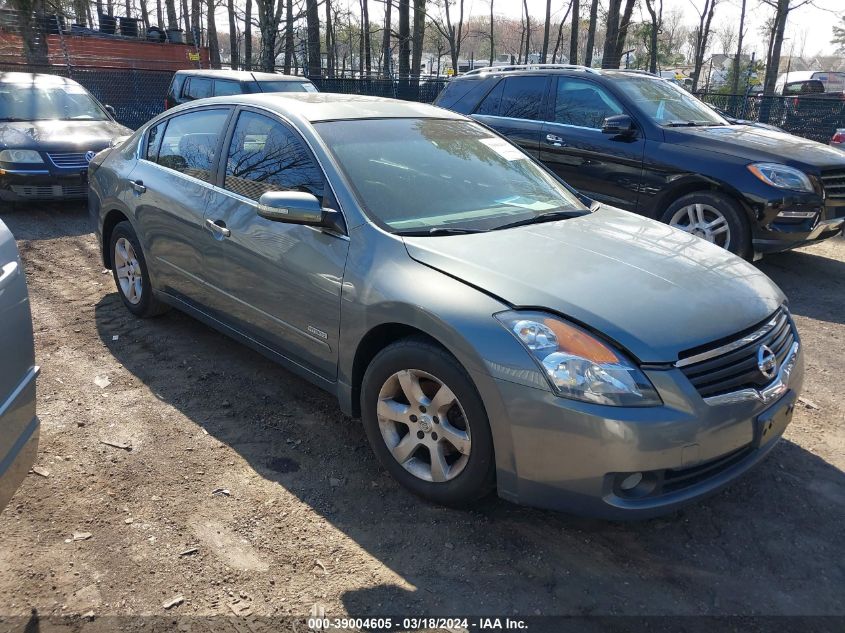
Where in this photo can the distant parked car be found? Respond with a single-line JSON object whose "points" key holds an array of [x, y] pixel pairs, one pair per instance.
{"points": [[19, 426], [50, 128], [188, 85], [489, 328], [838, 139], [643, 144]]}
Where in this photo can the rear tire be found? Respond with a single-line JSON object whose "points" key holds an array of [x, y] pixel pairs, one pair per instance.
{"points": [[131, 276], [436, 441], [714, 217]]}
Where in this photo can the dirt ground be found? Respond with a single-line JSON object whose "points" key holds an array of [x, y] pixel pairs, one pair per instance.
{"points": [[308, 518]]}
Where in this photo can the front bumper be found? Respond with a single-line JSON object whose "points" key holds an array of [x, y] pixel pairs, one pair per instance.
{"points": [[19, 185], [571, 456], [773, 234]]}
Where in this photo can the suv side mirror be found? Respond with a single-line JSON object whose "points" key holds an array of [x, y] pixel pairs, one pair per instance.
{"points": [[298, 207], [619, 125], [110, 110]]}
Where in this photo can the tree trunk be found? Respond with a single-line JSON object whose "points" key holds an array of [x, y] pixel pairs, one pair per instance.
{"points": [[234, 49], [385, 40], [591, 33], [573, 40], [196, 22], [492, 41], [527, 30], [611, 37], [186, 18], [34, 41], [701, 41], [738, 56], [368, 60], [329, 40], [547, 25], [159, 15], [268, 26], [655, 26], [213, 44], [289, 43], [624, 23], [404, 38], [560, 31], [418, 37], [145, 14], [773, 67], [247, 63], [312, 19]]}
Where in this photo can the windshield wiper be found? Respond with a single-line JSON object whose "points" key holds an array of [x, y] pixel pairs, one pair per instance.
{"points": [[440, 230], [12, 119], [549, 216], [691, 123]]}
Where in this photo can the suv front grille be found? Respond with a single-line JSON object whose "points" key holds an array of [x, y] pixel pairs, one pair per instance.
{"points": [[834, 183], [68, 160], [733, 366]]}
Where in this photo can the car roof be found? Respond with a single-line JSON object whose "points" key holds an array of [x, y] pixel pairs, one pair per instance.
{"points": [[36, 79], [555, 69], [242, 75], [326, 106]]}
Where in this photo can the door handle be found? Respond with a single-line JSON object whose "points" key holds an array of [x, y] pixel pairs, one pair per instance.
{"points": [[7, 273], [555, 140], [138, 186], [220, 228]]}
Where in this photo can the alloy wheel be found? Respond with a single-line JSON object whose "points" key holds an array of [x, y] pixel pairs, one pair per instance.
{"points": [[424, 425], [128, 270], [704, 221]]}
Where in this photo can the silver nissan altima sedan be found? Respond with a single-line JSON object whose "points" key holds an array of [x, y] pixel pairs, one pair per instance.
{"points": [[489, 329]]}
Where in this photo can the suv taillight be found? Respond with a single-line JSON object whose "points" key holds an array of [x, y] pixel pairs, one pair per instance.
{"points": [[839, 137]]}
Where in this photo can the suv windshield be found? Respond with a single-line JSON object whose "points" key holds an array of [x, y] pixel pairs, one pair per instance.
{"points": [[287, 86], [666, 103], [27, 102], [422, 176]]}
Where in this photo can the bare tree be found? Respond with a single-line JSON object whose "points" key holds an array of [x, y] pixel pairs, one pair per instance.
{"points": [[492, 40], [213, 44], [452, 31], [289, 43], [330, 40], [418, 36], [782, 10], [365, 27], [591, 33], [385, 38], [248, 36], [655, 12], [34, 42], [172, 20], [312, 19], [404, 38], [527, 30], [233, 35], [702, 35], [624, 24], [269, 17], [573, 36], [560, 30], [547, 25]]}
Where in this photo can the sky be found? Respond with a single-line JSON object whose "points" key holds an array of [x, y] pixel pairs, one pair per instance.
{"points": [[810, 27]]}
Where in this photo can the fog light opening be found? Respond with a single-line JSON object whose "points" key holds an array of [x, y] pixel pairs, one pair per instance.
{"points": [[631, 481]]}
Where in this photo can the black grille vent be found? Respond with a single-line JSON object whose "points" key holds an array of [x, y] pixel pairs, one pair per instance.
{"points": [[834, 183], [737, 368], [68, 160]]}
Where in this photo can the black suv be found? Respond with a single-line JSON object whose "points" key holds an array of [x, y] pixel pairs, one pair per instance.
{"points": [[641, 143], [188, 85]]}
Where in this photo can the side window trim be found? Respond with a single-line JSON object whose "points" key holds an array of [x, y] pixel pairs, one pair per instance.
{"points": [[230, 131]]}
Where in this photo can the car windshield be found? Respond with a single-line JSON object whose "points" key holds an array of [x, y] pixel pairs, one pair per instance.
{"points": [[27, 102], [424, 176], [666, 103], [287, 86]]}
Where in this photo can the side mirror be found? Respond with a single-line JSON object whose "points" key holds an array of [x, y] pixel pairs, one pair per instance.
{"points": [[620, 125], [297, 207], [110, 110]]}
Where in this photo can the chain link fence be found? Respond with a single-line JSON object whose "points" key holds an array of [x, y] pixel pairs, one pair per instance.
{"points": [[816, 117]]}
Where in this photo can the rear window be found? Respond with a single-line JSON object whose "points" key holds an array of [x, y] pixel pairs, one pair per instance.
{"points": [[198, 88], [522, 96], [287, 86]]}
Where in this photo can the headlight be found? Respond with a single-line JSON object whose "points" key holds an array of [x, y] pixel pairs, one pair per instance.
{"points": [[579, 365], [20, 156], [781, 176]]}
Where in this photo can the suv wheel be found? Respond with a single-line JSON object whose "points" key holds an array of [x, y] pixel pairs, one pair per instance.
{"points": [[713, 217], [427, 424], [131, 277]]}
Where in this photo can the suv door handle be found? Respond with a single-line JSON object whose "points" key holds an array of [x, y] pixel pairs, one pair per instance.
{"points": [[138, 186], [7, 273], [219, 227], [555, 140]]}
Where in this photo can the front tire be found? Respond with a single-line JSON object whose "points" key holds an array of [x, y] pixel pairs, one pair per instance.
{"points": [[714, 217], [131, 276], [426, 423]]}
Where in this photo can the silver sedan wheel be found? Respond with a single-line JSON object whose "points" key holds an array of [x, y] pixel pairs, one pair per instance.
{"points": [[128, 270], [704, 221], [424, 425]]}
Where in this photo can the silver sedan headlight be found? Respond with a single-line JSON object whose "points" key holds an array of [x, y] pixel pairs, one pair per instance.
{"points": [[782, 176], [579, 365], [20, 156]]}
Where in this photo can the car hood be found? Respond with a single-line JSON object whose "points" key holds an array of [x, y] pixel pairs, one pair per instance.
{"points": [[47, 135], [758, 144], [654, 290]]}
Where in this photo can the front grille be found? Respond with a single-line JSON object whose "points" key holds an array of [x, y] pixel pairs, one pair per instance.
{"points": [[736, 368], [680, 478], [834, 183], [50, 191], [68, 160]]}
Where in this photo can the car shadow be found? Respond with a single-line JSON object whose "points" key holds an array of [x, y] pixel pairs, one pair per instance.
{"points": [[46, 220], [761, 546], [814, 284]]}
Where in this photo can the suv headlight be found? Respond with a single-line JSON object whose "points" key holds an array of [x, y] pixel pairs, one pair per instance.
{"points": [[577, 364], [20, 156], [781, 176]]}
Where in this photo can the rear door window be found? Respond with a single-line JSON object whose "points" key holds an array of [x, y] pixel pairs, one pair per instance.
{"points": [[265, 155], [222, 88], [490, 104], [190, 143], [197, 88], [522, 97], [153, 140]]}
